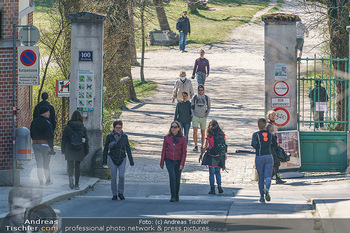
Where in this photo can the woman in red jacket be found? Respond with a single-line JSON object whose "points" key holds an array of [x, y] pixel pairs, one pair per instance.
{"points": [[174, 155]]}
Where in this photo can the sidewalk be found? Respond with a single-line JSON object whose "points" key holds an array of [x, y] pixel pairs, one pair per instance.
{"points": [[59, 190]]}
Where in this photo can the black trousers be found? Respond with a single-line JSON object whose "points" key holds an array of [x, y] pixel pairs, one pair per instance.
{"points": [[74, 166]]}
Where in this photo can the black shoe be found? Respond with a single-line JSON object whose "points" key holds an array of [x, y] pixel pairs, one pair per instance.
{"points": [[121, 196], [71, 185], [212, 191], [115, 197], [220, 189], [177, 198], [279, 181], [195, 148], [172, 199]]}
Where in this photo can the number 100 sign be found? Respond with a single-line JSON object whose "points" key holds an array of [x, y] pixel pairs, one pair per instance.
{"points": [[85, 56]]}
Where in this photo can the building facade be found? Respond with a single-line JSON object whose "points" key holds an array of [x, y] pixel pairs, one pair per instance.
{"points": [[12, 12]]}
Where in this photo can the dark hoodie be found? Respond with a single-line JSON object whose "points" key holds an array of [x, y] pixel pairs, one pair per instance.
{"points": [[118, 149], [66, 147]]}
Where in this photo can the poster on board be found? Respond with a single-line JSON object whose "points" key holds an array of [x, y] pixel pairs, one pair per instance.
{"points": [[280, 71], [289, 141], [85, 90]]}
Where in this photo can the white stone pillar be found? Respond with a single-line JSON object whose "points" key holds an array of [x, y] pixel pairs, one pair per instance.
{"points": [[281, 69], [86, 78]]}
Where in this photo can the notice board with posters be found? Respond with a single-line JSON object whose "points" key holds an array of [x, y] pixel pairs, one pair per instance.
{"points": [[86, 86], [289, 141]]}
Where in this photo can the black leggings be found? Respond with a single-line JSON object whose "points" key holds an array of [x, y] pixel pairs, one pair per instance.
{"points": [[74, 165]]}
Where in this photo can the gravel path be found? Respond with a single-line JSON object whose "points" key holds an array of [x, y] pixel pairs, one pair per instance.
{"points": [[236, 88]]}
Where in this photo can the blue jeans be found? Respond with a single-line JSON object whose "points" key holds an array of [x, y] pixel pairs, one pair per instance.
{"points": [[42, 160], [186, 129], [264, 166], [173, 167], [201, 77], [214, 171], [114, 169], [182, 41]]}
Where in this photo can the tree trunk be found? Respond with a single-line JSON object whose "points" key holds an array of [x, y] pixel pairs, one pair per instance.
{"points": [[338, 15], [162, 19], [143, 42], [132, 35], [192, 5]]}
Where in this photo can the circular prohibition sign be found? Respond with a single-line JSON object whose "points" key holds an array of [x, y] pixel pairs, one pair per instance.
{"points": [[282, 116], [28, 57], [281, 88]]}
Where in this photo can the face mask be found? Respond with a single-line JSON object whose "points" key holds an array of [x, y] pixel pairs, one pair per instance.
{"points": [[182, 79]]}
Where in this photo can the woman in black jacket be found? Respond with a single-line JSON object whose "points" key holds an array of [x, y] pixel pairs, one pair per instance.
{"points": [[75, 146], [117, 144]]}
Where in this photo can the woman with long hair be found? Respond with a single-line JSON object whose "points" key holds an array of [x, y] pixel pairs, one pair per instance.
{"points": [[75, 146], [174, 155], [215, 154]]}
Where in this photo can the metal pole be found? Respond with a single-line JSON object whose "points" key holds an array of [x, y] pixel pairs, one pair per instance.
{"points": [[14, 107]]}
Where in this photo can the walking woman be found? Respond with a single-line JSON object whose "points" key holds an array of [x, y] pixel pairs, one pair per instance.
{"points": [[117, 144], [75, 146], [215, 149], [174, 154]]}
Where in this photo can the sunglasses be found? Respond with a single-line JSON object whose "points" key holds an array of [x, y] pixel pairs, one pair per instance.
{"points": [[200, 90], [117, 127], [173, 127]]}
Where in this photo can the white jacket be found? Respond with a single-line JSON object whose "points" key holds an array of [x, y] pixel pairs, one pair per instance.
{"points": [[181, 87]]}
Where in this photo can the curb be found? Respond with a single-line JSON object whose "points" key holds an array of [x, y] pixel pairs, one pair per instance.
{"points": [[321, 208], [53, 198]]}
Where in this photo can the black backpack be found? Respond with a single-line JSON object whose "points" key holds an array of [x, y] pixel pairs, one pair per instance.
{"points": [[77, 138], [281, 154], [220, 147]]}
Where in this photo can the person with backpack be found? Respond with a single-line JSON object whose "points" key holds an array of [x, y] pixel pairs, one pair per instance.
{"points": [[75, 147], [200, 105], [174, 155], [117, 143], [262, 141], [215, 155]]}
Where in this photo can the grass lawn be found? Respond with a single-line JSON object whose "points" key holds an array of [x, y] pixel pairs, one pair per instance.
{"points": [[212, 25]]}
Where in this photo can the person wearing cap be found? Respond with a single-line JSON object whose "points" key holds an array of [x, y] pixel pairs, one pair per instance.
{"points": [[317, 95], [200, 105], [184, 28], [46, 103], [201, 68], [182, 84], [41, 132]]}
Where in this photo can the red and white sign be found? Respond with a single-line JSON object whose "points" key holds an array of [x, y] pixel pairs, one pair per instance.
{"points": [[62, 88], [28, 65], [282, 116], [281, 88]]}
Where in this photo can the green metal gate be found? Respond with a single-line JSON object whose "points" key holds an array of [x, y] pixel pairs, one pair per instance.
{"points": [[323, 113]]}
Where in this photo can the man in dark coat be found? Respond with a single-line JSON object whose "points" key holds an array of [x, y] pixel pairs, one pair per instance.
{"points": [[42, 135], [184, 28], [317, 95], [46, 103]]}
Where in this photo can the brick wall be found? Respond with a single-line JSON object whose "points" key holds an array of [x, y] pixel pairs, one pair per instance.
{"points": [[10, 17]]}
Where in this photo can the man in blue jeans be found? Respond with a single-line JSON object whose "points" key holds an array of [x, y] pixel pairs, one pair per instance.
{"points": [[184, 28]]}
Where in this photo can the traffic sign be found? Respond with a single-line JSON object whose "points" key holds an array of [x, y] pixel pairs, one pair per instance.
{"points": [[281, 88], [62, 88], [29, 36], [282, 116], [28, 60], [28, 65]]}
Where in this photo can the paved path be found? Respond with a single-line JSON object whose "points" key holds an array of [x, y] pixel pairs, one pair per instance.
{"points": [[236, 88]]}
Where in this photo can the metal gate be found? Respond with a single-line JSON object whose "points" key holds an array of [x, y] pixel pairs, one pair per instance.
{"points": [[323, 113]]}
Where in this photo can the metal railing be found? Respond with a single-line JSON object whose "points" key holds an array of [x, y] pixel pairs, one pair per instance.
{"points": [[323, 94]]}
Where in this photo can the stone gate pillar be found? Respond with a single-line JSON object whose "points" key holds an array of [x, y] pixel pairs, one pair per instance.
{"points": [[86, 79], [281, 69]]}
